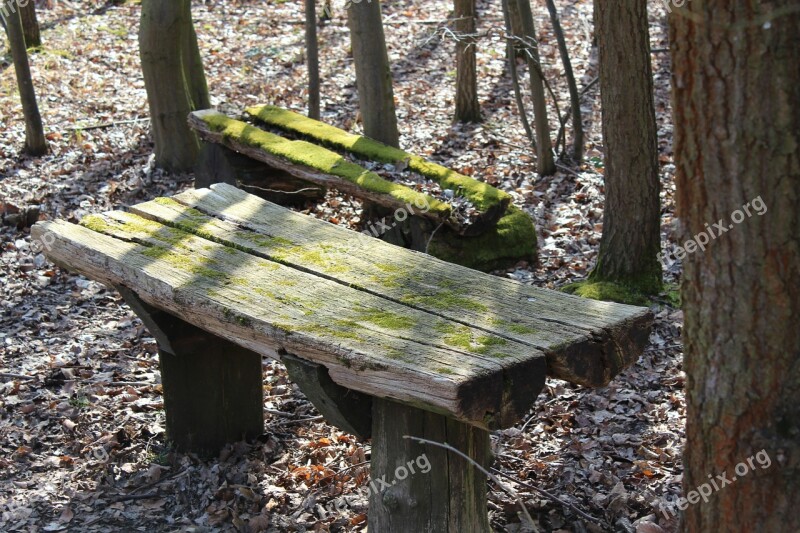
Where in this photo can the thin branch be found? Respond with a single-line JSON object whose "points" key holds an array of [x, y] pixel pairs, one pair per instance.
{"points": [[109, 124], [512, 65], [508, 490], [276, 190], [552, 497]]}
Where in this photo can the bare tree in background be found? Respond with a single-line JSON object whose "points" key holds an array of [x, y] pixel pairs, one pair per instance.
{"points": [[373, 76], [631, 216], [35, 142], [174, 79], [312, 58], [467, 107]]}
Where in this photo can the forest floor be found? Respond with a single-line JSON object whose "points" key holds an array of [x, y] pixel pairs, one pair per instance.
{"points": [[81, 417]]}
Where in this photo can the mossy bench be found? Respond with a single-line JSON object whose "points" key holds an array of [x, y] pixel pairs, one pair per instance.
{"points": [[385, 341], [436, 209]]}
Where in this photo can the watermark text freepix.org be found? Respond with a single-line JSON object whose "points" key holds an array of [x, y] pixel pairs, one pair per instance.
{"points": [[377, 485], [700, 240], [10, 6], [716, 483]]}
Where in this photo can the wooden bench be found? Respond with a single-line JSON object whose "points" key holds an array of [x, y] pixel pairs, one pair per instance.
{"points": [[386, 342]]}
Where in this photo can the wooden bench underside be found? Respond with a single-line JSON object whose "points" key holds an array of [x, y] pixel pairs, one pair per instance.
{"points": [[384, 321]]}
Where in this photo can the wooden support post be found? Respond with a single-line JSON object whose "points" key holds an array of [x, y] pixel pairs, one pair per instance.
{"points": [[212, 387], [419, 487], [346, 409]]}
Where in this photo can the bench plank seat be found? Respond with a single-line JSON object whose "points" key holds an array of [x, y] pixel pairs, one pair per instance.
{"points": [[587, 342], [368, 343]]}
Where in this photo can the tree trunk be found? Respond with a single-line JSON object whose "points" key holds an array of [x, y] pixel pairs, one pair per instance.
{"points": [[515, 21], [195, 74], [174, 79], [631, 217], [35, 143], [30, 25], [312, 59], [544, 153], [373, 76], [574, 95], [467, 107], [736, 88]]}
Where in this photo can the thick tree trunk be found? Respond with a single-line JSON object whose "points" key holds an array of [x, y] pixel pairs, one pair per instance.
{"points": [[312, 59], [35, 143], [174, 79], [631, 217], [467, 107], [736, 88], [373, 76], [544, 153], [30, 25]]}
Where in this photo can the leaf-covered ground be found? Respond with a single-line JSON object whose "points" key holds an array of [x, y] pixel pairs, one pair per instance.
{"points": [[81, 414]]}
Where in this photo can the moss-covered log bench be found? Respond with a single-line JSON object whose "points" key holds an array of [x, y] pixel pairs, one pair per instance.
{"points": [[412, 202], [385, 341]]}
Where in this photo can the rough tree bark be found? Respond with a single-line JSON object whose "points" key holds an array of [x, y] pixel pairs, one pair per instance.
{"points": [[467, 107], [174, 79], [544, 153], [631, 217], [35, 143], [373, 76], [312, 59], [736, 86]]}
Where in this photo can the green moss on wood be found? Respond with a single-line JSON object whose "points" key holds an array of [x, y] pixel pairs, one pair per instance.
{"points": [[607, 291], [321, 159], [445, 300], [512, 239], [386, 319], [482, 195], [520, 329]]}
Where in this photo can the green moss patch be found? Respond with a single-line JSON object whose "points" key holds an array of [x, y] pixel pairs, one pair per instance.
{"points": [[319, 158], [386, 319], [482, 195], [446, 299], [607, 291], [512, 239]]}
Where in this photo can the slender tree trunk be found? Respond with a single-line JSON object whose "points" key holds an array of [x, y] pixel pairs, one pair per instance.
{"points": [[30, 25], [467, 107], [515, 22], [373, 76], [174, 79], [631, 217], [574, 96], [312, 59], [736, 88], [35, 143], [544, 152]]}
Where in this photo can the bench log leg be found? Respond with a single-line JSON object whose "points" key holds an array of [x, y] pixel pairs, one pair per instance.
{"points": [[422, 487], [212, 387]]}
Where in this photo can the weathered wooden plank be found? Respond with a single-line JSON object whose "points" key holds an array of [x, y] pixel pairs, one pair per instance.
{"points": [[368, 344], [430, 207], [587, 342]]}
